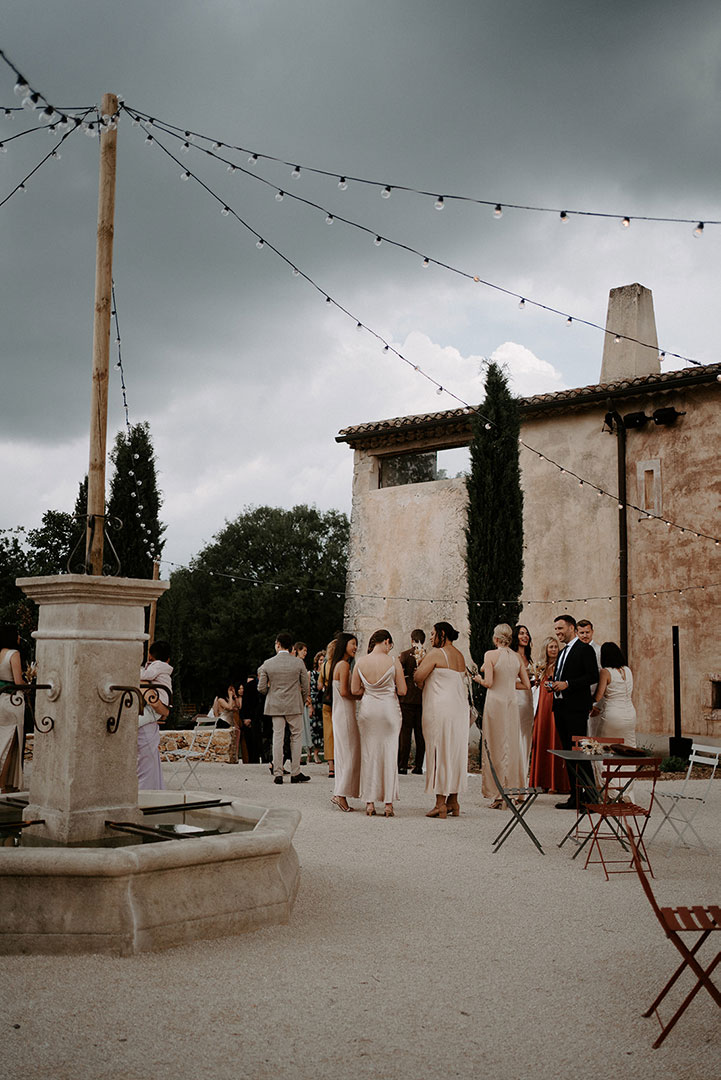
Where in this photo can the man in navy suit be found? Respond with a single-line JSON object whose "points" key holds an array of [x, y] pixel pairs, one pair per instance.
{"points": [[576, 672]]}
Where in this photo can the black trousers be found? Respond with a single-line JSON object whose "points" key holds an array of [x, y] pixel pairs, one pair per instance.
{"points": [[570, 722], [411, 725]]}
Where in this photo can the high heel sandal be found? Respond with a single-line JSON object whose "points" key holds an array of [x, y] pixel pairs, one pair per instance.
{"points": [[438, 811], [497, 804], [346, 809], [388, 812], [370, 810]]}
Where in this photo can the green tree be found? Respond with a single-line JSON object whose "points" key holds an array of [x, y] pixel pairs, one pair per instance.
{"points": [[270, 569], [495, 515], [13, 564], [134, 502], [50, 545]]}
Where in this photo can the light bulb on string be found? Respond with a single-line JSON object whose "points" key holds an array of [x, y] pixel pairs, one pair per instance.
{"points": [[521, 304], [359, 326], [21, 87], [8, 114], [569, 321], [661, 357], [378, 241], [386, 192], [22, 189], [625, 222], [31, 101], [296, 272], [329, 219], [89, 130], [3, 148], [279, 196], [617, 339], [253, 159], [498, 211], [564, 217], [148, 140], [439, 390], [185, 148], [47, 114], [225, 211], [426, 263], [342, 183], [189, 136], [260, 243], [487, 427], [217, 146], [698, 231], [185, 175], [439, 203], [295, 172]]}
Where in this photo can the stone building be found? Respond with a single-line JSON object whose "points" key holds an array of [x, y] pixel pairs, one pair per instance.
{"points": [[655, 434]]}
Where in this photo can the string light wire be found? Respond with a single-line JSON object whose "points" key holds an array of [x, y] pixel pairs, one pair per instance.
{"points": [[380, 238], [389, 348], [345, 178], [48, 156]]}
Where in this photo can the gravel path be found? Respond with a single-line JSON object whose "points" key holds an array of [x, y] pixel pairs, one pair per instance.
{"points": [[413, 953]]}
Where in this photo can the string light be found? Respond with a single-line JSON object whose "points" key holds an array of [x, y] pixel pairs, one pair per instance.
{"points": [[564, 217], [342, 184], [387, 348], [488, 284], [439, 203], [698, 231], [237, 577], [386, 188]]}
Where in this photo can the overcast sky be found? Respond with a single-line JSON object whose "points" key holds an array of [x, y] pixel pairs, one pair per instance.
{"points": [[243, 370]]}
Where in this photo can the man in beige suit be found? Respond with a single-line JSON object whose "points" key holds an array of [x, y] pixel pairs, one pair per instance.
{"points": [[284, 680]]}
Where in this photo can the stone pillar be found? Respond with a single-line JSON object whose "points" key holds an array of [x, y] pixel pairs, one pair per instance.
{"points": [[90, 636], [630, 313]]}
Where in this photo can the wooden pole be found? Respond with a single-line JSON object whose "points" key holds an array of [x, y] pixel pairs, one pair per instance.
{"points": [[94, 540], [153, 606]]}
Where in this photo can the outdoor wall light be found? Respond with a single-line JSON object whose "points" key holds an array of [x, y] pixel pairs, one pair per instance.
{"points": [[666, 416], [635, 420]]}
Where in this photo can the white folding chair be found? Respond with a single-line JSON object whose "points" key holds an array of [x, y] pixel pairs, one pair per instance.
{"points": [[197, 750], [680, 807]]}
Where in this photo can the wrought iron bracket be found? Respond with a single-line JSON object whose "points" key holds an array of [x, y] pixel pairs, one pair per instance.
{"points": [[18, 691], [126, 700]]}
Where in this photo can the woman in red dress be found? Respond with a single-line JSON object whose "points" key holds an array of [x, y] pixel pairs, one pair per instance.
{"points": [[547, 770]]}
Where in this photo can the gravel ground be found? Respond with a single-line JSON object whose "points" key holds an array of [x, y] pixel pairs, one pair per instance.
{"points": [[413, 952]]}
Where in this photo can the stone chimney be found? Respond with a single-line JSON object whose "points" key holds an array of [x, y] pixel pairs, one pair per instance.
{"points": [[630, 313]]}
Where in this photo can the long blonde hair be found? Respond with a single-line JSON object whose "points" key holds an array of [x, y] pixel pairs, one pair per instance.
{"points": [[546, 642]]}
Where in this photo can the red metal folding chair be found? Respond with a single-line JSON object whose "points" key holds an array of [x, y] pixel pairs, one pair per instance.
{"points": [[612, 809], [698, 920]]}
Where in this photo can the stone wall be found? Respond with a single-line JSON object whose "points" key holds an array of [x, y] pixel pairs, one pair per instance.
{"points": [[409, 542]]}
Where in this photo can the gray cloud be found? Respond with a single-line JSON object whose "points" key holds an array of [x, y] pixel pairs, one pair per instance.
{"points": [[610, 107]]}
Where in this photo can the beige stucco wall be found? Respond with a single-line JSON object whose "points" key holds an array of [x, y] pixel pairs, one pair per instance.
{"points": [[410, 542], [407, 543]]}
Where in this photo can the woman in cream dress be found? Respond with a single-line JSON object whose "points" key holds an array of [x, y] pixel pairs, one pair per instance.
{"points": [[379, 680], [346, 738], [442, 674], [11, 714], [612, 698], [501, 724], [521, 644]]}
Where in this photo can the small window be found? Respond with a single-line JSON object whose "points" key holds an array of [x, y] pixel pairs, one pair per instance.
{"points": [[407, 469], [454, 464], [648, 481]]}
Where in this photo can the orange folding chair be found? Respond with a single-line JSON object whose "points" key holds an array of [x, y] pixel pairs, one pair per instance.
{"points": [[612, 809], [698, 920]]}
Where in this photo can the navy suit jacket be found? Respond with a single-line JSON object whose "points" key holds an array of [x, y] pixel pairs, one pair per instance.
{"points": [[580, 671]]}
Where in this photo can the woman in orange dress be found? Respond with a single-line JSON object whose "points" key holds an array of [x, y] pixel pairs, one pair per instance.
{"points": [[547, 770]]}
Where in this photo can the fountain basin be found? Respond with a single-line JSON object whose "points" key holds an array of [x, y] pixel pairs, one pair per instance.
{"points": [[146, 896]]}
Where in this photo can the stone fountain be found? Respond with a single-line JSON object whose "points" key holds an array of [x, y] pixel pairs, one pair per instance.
{"points": [[65, 890]]}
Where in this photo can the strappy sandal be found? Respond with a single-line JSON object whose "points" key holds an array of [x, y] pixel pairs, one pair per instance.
{"points": [[336, 801], [370, 810], [388, 812]]}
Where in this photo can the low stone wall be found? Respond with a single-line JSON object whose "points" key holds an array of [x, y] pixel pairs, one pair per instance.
{"points": [[181, 740]]}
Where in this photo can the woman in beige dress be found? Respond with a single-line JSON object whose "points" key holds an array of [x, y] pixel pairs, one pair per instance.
{"points": [[521, 644], [346, 738], [501, 723], [379, 680], [12, 713], [442, 673]]}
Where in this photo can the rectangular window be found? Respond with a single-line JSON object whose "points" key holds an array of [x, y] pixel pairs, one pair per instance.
{"points": [[407, 469], [648, 482]]}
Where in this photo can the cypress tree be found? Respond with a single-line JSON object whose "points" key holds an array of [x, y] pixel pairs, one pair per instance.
{"points": [[495, 515], [135, 502]]}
